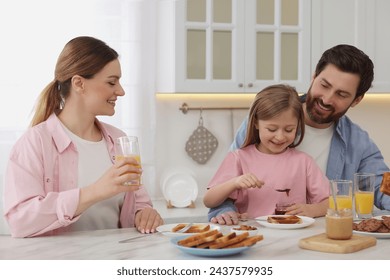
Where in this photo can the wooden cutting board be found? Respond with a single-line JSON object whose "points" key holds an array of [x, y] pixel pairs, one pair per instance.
{"points": [[323, 244]]}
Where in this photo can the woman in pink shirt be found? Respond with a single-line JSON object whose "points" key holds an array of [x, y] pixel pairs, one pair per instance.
{"points": [[267, 162], [61, 174]]}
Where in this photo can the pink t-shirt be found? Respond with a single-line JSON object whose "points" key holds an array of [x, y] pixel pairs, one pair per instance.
{"points": [[291, 169]]}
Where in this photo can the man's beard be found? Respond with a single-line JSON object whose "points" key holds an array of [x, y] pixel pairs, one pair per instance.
{"points": [[317, 116]]}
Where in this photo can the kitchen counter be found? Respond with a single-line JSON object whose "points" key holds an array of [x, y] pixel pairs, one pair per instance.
{"points": [[104, 245]]}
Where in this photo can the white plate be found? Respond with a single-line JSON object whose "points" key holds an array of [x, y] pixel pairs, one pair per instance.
{"points": [[306, 221], [180, 189], [374, 234], [208, 252], [167, 229], [169, 171]]}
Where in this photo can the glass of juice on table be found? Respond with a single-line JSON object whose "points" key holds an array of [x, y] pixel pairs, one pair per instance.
{"points": [[364, 194], [127, 146], [343, 191]]}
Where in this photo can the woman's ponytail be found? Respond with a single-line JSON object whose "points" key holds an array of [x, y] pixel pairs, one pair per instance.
{"points": [[49, 101]]}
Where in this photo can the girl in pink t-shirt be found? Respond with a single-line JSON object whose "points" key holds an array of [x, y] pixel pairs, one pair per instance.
{"points": [[267, 170]]}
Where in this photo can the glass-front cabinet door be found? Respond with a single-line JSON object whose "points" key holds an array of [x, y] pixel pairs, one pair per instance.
{"points": [[210, 33], [277, 43], [240, 45]]}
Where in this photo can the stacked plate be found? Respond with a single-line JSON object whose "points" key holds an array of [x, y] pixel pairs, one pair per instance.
{"points": [[179, 188]]}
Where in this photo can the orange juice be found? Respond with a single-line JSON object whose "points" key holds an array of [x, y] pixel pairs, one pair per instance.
{"points": [[136, 157], [135, 182], [364, 202], [343, 201]]}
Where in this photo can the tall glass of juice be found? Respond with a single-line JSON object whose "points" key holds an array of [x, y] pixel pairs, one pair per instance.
{"points": [[364, 194], [127, 146], [343, 192]]}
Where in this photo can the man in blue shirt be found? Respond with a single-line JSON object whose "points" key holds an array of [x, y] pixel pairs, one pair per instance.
{"points": [[340, 147]]}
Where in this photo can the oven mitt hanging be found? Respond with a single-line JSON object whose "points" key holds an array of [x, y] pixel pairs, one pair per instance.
{"points": [[202, 143]]}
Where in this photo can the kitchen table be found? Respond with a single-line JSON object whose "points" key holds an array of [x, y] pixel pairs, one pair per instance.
{"points": [[105, 245]]}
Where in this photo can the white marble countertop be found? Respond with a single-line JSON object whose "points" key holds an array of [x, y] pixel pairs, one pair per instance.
{"points": [[104, 245]]}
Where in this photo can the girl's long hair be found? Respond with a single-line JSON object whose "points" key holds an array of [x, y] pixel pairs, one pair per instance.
{"points": [[84, 56], [270, 102]]}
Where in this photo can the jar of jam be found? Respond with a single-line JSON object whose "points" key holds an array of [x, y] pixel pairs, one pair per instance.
{"points": [[281, 208], [339, 224]]}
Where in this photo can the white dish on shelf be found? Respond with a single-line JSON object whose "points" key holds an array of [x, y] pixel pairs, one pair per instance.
{"points": [[180, 189], [170, 171]]}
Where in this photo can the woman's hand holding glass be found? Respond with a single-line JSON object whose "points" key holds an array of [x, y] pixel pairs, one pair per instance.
{"points": [[128, 172], [127, 152], [111, 183]]}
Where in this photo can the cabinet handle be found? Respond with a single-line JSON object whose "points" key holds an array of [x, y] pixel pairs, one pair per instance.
{"points": [[240, 85], [250, 85]]}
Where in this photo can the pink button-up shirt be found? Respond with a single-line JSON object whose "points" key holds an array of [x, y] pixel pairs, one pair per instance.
{"points": [[41, 193]]}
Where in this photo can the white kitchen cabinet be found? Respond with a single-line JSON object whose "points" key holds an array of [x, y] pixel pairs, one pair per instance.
{"points": [[233, 45], [362, 23]]}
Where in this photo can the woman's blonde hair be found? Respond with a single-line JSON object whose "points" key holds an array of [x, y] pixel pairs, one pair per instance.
{"points": [[270, 102], [84, 56]]}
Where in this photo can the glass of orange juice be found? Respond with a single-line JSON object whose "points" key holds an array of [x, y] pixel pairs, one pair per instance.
{"points": [[364, 194], [127, 146], [343, 192]]}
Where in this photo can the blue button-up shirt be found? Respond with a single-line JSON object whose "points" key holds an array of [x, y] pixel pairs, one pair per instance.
{"points": [[351, 151]]}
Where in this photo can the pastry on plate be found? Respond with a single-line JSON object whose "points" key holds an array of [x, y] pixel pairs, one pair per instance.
{"points": [[288, 219]]}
